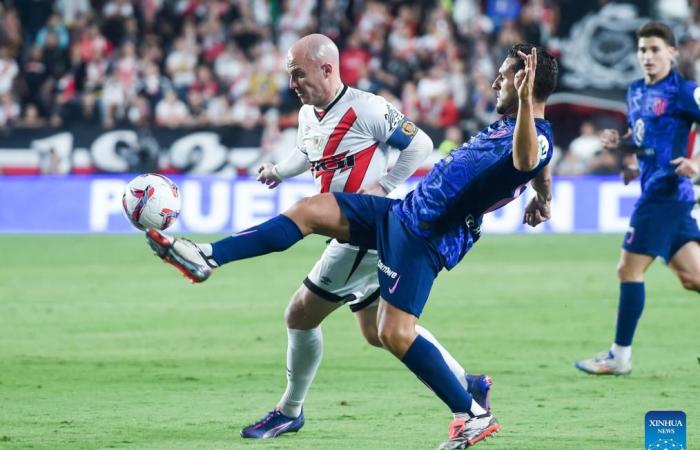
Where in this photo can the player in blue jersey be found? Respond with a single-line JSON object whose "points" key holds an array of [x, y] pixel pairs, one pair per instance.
{"points": [[431, 229], [661, 109]]}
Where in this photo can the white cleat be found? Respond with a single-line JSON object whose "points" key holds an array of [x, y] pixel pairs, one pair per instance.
{"points": [[181, 253], [604, 364], [465, 433]]}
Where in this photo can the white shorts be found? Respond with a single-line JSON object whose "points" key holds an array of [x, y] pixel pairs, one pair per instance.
{"points": [[346, 274]]}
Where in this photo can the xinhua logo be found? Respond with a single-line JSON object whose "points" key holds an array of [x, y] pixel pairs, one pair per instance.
{"points": [[664, 430]]}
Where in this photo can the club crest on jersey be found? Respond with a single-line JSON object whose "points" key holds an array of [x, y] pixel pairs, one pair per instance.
{"points": [[696, 96], [659, 106], [638, 133], [318, 143], [498, 133], [392, 116]]}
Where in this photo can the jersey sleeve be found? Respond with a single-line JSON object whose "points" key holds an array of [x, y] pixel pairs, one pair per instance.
{"points": [[387, 124], [300, 141], [545, 150], [630, 125], [689, 100]]}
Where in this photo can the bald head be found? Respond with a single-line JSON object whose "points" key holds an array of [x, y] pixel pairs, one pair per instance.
{"points": [[317, 47], [313, 65]]}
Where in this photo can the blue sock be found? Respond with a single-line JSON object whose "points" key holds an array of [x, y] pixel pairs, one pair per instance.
{"points": [[426, 362], [275, 235], [629, 311]]}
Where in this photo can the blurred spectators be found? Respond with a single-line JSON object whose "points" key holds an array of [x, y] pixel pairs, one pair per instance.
{"points": [[8, 71], [201, 63], [582, 153]]}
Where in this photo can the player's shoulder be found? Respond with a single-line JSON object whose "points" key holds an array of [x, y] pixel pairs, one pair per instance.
{"points": [[544, 127], [636, 85], [364, 98], [306, 112], [686, 85]]}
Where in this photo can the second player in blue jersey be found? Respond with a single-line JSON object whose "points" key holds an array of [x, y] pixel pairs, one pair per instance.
{"points": [[661, 110]]}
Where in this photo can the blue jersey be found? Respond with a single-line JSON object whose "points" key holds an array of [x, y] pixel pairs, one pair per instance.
{"points": [[660, 116], [447, 206]]}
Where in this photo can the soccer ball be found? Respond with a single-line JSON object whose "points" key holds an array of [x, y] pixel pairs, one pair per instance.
{"points": [[151, 201]]}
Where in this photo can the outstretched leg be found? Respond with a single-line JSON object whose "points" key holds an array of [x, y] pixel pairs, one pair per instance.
{"points": [[319, 214]]}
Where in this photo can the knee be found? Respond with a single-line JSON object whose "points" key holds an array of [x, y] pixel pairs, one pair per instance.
{"points": [[303, 213], [627, 273], [296, 316], [369, 332], [689, 281], [396, 339]]}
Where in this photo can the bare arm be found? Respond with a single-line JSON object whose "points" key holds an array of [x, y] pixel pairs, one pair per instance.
{"points": [[409, 161], [611, 141], [525, 148], [539, 208]]}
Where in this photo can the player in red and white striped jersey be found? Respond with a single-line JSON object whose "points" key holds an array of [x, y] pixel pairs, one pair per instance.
{"points": [[343, 138]]}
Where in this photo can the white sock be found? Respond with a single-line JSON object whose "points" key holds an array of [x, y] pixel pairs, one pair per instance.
{"points": [[208, 251], [205, 248], [622, 352], [474, 410], [304, 353], [452, 363]]}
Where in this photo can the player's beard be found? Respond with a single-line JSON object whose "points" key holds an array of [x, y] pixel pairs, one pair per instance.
{"points": [[506, 107]]}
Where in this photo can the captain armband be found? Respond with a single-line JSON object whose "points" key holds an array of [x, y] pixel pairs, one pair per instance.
{"points": [[403, 134]]}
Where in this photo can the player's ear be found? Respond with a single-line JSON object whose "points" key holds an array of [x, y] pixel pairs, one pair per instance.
{"points": [[673, 51], [327, 70]]}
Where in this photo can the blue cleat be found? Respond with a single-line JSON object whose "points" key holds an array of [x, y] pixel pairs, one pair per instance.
{"points": [[272, 425], [479, 387]]}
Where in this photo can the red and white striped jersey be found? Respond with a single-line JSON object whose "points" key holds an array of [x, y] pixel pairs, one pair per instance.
{"points": [[347, 143]]}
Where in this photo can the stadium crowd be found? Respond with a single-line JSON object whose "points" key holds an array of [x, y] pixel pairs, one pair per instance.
{"points": [[194, 63]]}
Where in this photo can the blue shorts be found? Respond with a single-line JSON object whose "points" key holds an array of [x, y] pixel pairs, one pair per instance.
{"points": [[407, 264], [660, 229]]}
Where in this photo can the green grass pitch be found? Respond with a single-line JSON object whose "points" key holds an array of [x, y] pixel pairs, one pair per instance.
{"points": [[104, 346]]}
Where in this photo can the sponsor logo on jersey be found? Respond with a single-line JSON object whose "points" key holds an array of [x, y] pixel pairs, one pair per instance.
{"points": [[332, 163]]}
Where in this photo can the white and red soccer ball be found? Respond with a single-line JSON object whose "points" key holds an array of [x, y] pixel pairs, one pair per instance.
{"points": [[151, 201]]}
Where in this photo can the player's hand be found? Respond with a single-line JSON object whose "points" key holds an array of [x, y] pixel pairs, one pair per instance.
{"points": [[629, 173], [268, 176], [537, 211], [525, 78], [373, 189], [610, 139], [686, 167]]}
